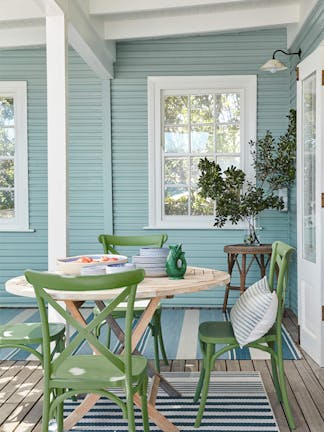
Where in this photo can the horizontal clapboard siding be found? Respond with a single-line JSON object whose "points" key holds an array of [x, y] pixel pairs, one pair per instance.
{"points": [[226, 54], [308, 39], [86, 190]]}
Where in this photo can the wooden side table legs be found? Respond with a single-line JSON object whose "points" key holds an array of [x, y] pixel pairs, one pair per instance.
{"points": [[259, 254], [230, 263]]}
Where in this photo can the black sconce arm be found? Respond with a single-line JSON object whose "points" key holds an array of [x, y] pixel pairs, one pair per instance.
{"points": [[286, 52]]}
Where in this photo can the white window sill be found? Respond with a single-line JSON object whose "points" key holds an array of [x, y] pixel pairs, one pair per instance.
{"points": [[170, 226], [18, 230]]}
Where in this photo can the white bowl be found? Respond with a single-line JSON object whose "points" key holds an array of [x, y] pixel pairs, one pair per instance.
{"points": [[154, 251], [73, 265]]}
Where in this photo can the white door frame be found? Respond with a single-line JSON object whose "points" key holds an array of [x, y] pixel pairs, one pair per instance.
{"points": [[310, 273]]}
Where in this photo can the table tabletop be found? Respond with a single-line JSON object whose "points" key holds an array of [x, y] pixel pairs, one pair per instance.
{"points": [[196, 279]]}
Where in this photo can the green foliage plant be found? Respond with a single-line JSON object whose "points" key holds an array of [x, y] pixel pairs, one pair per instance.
{"points": [[238, 198]]}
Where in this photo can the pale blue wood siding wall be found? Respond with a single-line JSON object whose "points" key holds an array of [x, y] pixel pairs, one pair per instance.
{"points": [[310, 36], [239, 53], [19, 251]]}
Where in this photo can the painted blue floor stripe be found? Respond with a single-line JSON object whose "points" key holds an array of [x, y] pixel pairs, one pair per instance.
{"points": [[172, 323]]}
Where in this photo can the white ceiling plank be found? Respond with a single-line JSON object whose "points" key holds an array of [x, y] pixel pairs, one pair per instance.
{"points": [[104, 7], [15, 10], [18, 37], [204, 22]]}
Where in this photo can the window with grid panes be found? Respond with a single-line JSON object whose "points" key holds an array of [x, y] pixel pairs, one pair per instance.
{"points": [[191, 118], [13, 156]]}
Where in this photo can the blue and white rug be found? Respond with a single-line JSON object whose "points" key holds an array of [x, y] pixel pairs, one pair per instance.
{"points": [[180, 330], [237, 402]]}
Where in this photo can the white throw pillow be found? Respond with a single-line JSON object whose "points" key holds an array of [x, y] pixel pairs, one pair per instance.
{"points": [[254, 313]]}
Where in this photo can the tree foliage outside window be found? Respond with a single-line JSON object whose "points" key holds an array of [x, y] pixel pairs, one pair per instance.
{"points": [[197, 125], [7, 153]]}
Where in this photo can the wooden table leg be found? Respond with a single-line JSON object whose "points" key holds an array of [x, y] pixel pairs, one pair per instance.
{"points": [[243, 274], [91, 399], [230, 264], [262, 266], [147, 316], [159, 419], [158, 380]]}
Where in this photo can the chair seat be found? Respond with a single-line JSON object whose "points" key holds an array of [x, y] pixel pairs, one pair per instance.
{"points": [[216, 332], [95, 371], [221, 332], [28, 333]]}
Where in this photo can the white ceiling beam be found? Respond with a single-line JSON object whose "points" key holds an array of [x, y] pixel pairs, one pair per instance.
{"points": [[86, 41], [205, 21], [83, 37], [15, 10], [306, 6], [20, 37], [104, 7]]}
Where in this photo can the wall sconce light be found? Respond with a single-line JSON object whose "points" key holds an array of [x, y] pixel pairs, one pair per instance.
{"points": [[274, 65]]}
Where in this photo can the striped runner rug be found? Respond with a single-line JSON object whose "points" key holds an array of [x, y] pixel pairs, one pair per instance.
{"points": [[237, 402], [180, 330]]}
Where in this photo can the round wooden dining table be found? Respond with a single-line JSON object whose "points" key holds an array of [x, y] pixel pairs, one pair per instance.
{"points": [[153, 288]]}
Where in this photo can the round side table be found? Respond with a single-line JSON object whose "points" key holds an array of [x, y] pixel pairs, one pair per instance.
{"points": [[260, 254]]}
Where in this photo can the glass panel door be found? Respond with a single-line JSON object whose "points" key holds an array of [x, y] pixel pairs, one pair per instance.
{"points": [[309, 168]]}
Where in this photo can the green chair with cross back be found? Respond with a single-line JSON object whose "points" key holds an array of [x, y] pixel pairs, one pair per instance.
{"points": [[222, 334], [111, 244], [70, 373], [27, 336]]}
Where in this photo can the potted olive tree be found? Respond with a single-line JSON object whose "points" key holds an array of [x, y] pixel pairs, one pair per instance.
{"points": [[239, 199]]}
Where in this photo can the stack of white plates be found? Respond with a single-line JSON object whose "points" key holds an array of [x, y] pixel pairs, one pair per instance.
{"points": [[152, 260]]}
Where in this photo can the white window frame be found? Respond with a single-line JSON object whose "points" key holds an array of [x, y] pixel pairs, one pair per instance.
{"points": [[246, 85], [18, 91]]}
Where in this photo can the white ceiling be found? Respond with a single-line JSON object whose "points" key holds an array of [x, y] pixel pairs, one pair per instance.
{"points": [[95, 25], [131, 19]]}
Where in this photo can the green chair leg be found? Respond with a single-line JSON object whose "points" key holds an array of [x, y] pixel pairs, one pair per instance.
{"points": [[275, 373], [157, 322], [202, 372], [130, 413], [205, 387], [283, 389], [46, 408], [145, 417], [108, 337], [199, 384], [60, 414], [154, 332]]}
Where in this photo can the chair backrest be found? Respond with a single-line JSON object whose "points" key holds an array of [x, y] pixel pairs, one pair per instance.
{"points": [[279, 267], [109, 242], [50, 281]]}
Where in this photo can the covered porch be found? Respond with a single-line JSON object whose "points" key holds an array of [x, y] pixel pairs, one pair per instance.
{"points": [[110, 133]]}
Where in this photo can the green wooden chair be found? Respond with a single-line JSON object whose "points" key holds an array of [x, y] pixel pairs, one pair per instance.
{"points": [[109, 243], [221, 333], [70, 374], [26, 336]]}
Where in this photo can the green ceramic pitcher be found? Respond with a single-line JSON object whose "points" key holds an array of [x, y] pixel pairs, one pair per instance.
{"points": [[176, 264]]}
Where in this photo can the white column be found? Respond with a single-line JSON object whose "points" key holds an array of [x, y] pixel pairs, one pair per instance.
{"points": [[56, 56], [57, 140]]}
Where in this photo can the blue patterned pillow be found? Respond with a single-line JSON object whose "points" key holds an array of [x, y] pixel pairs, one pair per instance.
{"points": [[254, 313]]}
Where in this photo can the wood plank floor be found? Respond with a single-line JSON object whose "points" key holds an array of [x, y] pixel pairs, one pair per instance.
{"points": [[21, 389]]}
